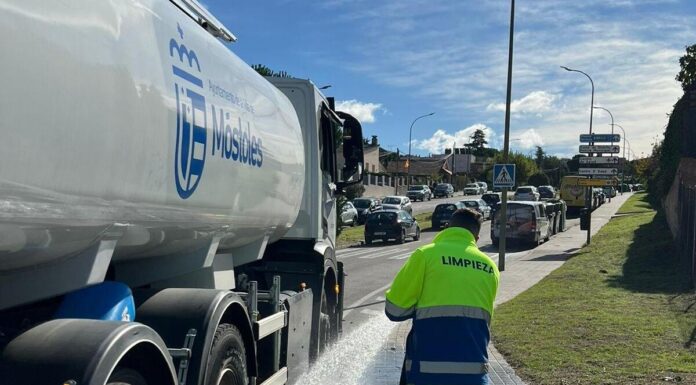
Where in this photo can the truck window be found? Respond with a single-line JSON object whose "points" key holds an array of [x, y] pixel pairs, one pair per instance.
{"points": [[331, 132]]}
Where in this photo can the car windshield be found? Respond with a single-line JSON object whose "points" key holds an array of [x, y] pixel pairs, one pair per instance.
{"points": [[518, 214], [445, 209], [392, 200], [524, 190], [544, 189], [382, 217], [472, 185], [470, 203], [361, 203], [441, 187], [415, 188]]}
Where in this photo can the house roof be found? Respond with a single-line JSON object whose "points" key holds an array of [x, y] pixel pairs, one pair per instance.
{"points": [[420, 166]]}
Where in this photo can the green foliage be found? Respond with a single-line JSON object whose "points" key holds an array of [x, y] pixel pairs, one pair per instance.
{"points": [[538, 179], [478, 142], [540, 155], [687, 74], [354, 191], [574, 164], [666, 155], [265, 71]]}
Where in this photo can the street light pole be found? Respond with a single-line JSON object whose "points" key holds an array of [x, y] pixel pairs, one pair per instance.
{"points": [[588, 190], [410, 132], [502, 222], [623, 172]]}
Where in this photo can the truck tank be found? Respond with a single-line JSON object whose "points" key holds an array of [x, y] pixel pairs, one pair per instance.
{"points": [[156, 151]]}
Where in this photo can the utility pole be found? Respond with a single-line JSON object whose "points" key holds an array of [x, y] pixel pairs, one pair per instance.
{"points": [[502, 222]]}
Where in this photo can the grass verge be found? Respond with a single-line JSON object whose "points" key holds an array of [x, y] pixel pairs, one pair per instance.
{"points": [[619, 312], [353, 235]]}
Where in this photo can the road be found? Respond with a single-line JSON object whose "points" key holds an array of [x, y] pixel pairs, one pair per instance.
{"points": [[429, 206], [370, 269]]}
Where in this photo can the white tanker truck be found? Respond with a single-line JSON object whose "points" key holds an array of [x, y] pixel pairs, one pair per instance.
{"points": [[167, 215]]}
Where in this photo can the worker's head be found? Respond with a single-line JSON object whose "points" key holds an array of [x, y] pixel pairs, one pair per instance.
{"points": [[467, 219]]}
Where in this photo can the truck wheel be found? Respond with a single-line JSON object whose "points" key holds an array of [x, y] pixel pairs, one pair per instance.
{"points": [[126, 376], [227, 363], [327, 334]]}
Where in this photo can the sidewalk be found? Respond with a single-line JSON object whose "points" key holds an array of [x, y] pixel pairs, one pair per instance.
{"points": [[522, 272]]}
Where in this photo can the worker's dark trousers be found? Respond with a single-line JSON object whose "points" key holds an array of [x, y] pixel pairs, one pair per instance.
{"points": [[409, 347]]}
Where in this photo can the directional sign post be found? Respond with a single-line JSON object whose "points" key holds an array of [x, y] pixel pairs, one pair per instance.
{"points": [[598, 171], [596, 182], [609, 160], [599, 138], [599, 149], [504, 175]]}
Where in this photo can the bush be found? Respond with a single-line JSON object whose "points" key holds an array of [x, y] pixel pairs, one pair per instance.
{"points": [[538, 179]]}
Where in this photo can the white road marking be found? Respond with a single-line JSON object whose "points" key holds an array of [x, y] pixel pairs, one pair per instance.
{"points": [[358, 252], [365, 298], [377, 254], [402, 256]]}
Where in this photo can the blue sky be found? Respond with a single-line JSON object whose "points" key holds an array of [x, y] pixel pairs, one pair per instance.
{"points": [[391, 61]]}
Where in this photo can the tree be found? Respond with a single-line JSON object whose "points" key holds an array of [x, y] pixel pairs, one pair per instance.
{"points": [[540, 155], [478, 142], [265, 71], [538, 179], [687, 74]]}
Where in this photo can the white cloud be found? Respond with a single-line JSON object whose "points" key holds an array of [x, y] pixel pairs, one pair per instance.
{"points": [[440, 140], [364, 112], [534, 102], [528, 139]]}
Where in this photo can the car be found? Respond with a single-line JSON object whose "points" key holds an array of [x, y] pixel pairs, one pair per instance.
{"points": [[366, 206], [349, 214], [492, 199], [443, 213], [547, 192], [609, 191], [526, 221], [391, 224], [484, 186], [395, 202], [637, 187], [419, 192], [526, 193], [479, 205], [472, 189], [444, 190]]}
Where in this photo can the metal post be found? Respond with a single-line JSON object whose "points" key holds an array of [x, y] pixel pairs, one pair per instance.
{"points": [[588, 202], [623, 171], [410, 134], [502, 222], [275, 302]]}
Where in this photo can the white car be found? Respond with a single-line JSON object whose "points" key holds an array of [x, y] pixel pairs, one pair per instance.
{"points": [[479, 205], [484, 187], [526, 193], [396, 202], [472, 189], [349, 214]]}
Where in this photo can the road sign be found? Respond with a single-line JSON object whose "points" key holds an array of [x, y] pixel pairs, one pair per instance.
{"points": [[596, 182], [504, 175], [605, 138], [598, 171], [604, 176], [600, 160], [600, 149]]}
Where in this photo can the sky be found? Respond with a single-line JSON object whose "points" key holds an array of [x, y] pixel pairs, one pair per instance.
{"points": [[389, 62]]}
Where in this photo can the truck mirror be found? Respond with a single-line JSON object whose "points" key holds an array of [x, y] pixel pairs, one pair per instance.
{"points": [[352, 170]]}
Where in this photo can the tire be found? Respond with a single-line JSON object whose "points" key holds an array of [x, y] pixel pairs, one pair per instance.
{"points": [[355, 222], [368, 240], [402, 238], [417, 236], [227, 361], [126, 376], [325, 332]]}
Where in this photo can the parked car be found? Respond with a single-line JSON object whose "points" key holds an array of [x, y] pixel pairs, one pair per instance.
{"points": [[483, 185], [391, 224], [526, 221], [396, 202], [491, 198], [479, 205], [472, 189], [547, 192], [349, 214], [637, 187], [526, 193], [419, 192], [366, 206], [444, 190], [609, 191], [598, 197], [443, 213]]}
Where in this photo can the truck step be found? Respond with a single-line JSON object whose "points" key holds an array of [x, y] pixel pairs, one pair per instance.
{"points": [[279, 378], [270, 324]]}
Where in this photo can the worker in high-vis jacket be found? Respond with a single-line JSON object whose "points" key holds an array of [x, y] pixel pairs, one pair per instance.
{"points": [[447, 288]]}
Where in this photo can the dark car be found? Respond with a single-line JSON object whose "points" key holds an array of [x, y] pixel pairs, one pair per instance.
{"points": [[443, 212], [491, 199], [443, 190], [366, 206], [419, 192], [547, 192], [391, 224]]}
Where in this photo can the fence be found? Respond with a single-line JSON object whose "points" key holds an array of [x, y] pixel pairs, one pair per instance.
{"points": [[686, 235], [385, 180]]}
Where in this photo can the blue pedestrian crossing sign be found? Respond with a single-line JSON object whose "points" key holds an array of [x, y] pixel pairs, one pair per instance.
{"points": [[504, 175]]}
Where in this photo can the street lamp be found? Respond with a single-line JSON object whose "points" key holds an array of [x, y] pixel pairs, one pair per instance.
{"points": [[612, 120], [623, 174], [410, 132], [592, 99], [587, 190]]}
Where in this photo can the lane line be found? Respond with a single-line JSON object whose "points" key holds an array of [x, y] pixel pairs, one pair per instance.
{"points": [[357, 253], [381, 254], [367, 297], [403, 256]]}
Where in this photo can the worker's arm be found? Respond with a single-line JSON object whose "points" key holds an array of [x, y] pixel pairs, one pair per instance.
{"points": [[406, 289]]}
